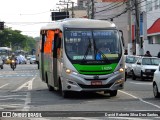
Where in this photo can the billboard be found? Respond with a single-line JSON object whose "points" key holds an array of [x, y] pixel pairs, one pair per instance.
{"points": [[59, 15]]}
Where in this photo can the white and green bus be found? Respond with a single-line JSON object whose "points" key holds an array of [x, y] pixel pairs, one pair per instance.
{"points": [[82, 55]]}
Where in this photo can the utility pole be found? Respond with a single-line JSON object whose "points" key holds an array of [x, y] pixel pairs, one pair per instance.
{"points": [[72, 9], [137, 32], [66, 3], [130, 48], [63, 4], [92, 13]]}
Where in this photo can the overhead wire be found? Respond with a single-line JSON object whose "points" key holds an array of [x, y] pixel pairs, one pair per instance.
{"points": [[119, 4], [131, 8]]}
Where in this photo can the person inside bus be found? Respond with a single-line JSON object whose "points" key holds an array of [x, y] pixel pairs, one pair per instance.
{"points": [[104, 49]]}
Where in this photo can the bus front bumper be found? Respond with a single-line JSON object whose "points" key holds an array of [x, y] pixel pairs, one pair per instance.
{"points": [[87, 83]]}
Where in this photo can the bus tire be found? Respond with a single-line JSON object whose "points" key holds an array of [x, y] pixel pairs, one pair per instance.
{"points": [[66, 94], [113, 93], [50, 88]]}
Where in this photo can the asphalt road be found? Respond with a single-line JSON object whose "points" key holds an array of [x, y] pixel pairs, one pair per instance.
{"points": [[23, 90]]}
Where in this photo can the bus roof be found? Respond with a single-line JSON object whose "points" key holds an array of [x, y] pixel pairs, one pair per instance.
{"points": [[79, 23], [5, 48]]}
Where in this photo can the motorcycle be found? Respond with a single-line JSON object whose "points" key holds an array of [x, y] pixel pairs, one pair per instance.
{"points": [[13, 64]]}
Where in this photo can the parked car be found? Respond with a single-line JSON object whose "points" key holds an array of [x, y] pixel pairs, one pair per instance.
{"points": [[145, 67], [156, 83], [129, 61], [29, 57], [33, 60], [1, 62]]}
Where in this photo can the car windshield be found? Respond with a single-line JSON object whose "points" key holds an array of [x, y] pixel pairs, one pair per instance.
{"points": [[131, 59], [150, 61], [93, 45]]}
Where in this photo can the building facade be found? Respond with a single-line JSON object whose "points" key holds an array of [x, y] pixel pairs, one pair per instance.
{"points": [[151, 26]]}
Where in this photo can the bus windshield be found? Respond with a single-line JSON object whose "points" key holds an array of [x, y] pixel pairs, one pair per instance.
{"points": [[92, 45]]}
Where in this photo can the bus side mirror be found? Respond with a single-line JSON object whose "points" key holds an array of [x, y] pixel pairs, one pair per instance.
{"points": [[122, 38]]}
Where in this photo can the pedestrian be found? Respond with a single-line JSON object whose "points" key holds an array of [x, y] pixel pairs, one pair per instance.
{"points": [[148, 54], [125, 52], [158, 54]]}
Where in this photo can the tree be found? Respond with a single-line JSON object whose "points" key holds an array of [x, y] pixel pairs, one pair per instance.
{"points": [[16, 40]]}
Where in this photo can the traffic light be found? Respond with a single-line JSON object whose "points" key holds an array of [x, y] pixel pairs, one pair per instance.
{"points": [[1, 25]]}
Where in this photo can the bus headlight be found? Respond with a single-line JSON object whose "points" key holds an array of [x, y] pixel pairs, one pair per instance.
{"points": [[121, 70], [68, 71]]}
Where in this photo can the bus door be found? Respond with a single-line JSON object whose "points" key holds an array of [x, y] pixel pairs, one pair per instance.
{"points": [[56, 54], [42, 57]]}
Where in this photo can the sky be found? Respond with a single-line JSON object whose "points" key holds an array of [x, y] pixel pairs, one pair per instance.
{"points": [[28, 16]]}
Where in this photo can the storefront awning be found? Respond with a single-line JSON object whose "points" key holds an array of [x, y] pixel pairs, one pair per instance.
{"points": [[155, 28]]}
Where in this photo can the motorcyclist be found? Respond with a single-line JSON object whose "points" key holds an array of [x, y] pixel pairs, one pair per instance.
{"points": [[13, 57]]}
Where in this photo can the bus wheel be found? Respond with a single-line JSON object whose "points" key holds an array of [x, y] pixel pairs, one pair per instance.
{"points": [[50, 88], [66, 94], [113, 93]]}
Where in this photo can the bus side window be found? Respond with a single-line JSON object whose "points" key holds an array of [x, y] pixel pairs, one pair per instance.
{"points": [[56, 46]]}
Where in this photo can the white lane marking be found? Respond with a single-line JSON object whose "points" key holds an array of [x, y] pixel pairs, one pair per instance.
{"points": [[139, 83], [28, 98], [3, 85], [26, 106], [140, 99], [27, 84], [12, 105], [12, 99], [11, 96]]}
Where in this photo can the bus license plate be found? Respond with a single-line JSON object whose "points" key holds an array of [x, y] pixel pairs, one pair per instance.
{"points": [[96, 82]]}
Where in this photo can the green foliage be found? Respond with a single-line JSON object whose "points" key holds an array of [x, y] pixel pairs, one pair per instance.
{"points": [[14, 39]]}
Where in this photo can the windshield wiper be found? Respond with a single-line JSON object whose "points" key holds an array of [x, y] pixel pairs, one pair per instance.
{"points": [[86, 53], [99, 51]]}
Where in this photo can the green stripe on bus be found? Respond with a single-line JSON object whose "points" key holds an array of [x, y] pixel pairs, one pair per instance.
{"points": [[95, 69]]}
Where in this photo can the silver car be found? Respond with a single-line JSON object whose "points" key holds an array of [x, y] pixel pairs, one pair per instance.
{"points": [[145, 67], [129, 61], [33, 60]]}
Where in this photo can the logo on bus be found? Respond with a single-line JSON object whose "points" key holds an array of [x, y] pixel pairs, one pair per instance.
{"points": [[107, 68]]}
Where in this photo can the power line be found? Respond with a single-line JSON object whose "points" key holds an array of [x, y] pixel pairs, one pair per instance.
{"points": [[112, 7]]}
